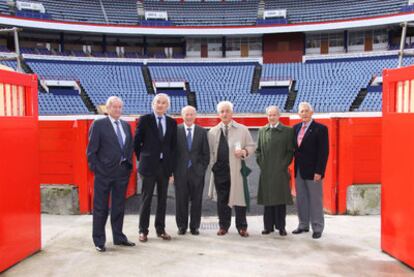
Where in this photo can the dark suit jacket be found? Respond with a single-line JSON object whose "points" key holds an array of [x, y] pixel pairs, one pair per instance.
{"points": [[104, 152], [312, 155], [199, 154], [148, 145]]}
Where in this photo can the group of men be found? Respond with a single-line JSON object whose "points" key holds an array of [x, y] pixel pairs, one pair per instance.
{"points": [[182, 155]]}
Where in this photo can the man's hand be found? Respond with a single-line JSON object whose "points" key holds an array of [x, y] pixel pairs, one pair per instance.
{"points": [[317, 177], [240, 153]]}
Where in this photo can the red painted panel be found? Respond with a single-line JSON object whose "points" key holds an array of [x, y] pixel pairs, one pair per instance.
{"points": [[56, 147], [63, 158], [397, 236], [397, 187], [19, 178], [359, 153]]}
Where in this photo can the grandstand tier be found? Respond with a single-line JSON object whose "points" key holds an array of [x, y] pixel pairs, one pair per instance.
{"points": [[329, 85], [213, 12]]}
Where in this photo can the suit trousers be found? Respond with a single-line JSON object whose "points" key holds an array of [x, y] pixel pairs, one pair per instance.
{"points": [[224, 211], [309, 201], [103, 187], [148, 185], [274, 217], [188, 189]]}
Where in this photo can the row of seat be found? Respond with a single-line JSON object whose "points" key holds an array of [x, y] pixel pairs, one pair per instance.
{"points": [[330, 86], [238, 12]]}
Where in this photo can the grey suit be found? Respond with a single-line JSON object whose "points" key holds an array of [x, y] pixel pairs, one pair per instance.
{"points": [[189, 172], [112, 166]]}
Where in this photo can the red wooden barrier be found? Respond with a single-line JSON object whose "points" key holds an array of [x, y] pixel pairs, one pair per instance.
{"points": [[19, 178], [397, 225], [355, 153], [359, 154], [63, 158]]}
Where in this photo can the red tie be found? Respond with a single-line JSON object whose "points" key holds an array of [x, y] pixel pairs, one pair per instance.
{"points": [[301, 134]]}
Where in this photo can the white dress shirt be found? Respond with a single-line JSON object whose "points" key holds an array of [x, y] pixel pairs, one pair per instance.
{"points": [[274, 126]]}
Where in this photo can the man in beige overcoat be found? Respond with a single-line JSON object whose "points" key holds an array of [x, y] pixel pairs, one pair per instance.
{"points": [[230, 142]]}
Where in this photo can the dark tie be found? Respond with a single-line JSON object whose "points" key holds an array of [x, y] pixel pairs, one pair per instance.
{"points": [[189, 143], [118, 134], [160, 129], [226, 131]]}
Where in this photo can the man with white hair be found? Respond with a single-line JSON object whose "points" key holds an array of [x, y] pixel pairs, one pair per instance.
{"points": [[311, 157], [191, 161], [109, 154], [155, 143], [230, 143], [274, 153]]}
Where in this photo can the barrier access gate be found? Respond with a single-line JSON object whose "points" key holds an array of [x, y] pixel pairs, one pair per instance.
{"points": [[397, 235], [19, 175]]}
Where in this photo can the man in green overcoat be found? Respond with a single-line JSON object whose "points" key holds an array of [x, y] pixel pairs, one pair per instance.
{"points": [[274, 153]]}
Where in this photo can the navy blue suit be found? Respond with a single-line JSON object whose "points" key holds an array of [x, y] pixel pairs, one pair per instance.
{"points": [[112, 167]]}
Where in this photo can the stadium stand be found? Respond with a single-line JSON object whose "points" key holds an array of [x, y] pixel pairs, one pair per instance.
{"points": [[372, 102], [207, 12], [325, 10], [101, 80], [51, 104], [197, 12], [127, 16], [330, 85], [4, 8], [75, 10], [215, 82]]}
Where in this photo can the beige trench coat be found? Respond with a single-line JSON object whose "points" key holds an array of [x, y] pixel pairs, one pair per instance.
{"points": [[237, 134]]}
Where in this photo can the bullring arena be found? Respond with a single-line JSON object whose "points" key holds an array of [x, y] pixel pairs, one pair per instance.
{"points": [[351, 60]]}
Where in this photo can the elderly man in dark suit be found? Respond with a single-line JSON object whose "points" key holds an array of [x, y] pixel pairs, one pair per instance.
{"points": [[311, 157], [155, 144], [109, 154], [192, 159]]}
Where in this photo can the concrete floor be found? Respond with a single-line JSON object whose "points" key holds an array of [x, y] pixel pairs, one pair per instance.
{"points": [[350, 246]]}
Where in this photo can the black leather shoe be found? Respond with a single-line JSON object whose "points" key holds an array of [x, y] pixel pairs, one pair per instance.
{"points": [[125, 243], [100, 248], [143, 237], [316, 235], [266, 232], [181, 231], [164, 236], [300, 231], [195, 232], [283, 232], [221, 232]]}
